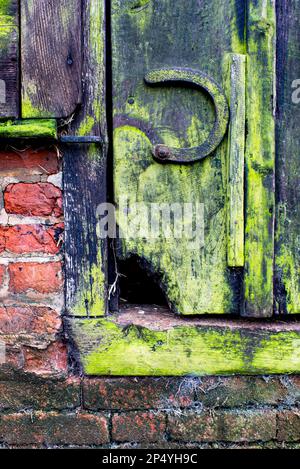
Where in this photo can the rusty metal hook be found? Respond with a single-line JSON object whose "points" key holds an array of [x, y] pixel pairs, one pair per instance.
{"points": [[166, 154]]}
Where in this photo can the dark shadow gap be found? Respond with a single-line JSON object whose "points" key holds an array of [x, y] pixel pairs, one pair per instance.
{"points": [[137, 285]]}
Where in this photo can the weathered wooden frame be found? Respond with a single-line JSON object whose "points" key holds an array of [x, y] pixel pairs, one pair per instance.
{"points": [[146, 340]]}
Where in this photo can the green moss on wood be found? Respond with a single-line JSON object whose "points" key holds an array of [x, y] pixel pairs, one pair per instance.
{"points": [[260, 160], [7, 13], [110, 349], [90, 299], [30, 129]]}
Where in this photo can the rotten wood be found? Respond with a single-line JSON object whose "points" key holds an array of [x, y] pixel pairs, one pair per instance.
{"points": [[51, 60]]}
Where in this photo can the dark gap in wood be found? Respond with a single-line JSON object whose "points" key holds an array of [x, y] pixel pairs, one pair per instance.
{"points": [[138, 285], [112, 264]]}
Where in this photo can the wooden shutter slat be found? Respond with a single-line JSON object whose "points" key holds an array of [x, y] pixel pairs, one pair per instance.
{"points": [[9, 52], [50, 57], [287, 248], [260, 159]]}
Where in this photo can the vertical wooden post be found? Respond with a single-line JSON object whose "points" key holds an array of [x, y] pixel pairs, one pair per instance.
{"points": [[85, 178], [260, 159]]}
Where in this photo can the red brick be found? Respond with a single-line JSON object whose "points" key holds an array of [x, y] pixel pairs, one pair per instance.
{"points": [[39, 394], [136, 394], [2, 272], [40, 199], [2, 240], [28, 162], [26, 239], [40, 277], [29, 320], [54, 429], [233, 426], [138, 427], [50, 362], [289, 425]]}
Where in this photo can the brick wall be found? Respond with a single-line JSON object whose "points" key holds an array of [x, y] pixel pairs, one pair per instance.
{"points": [[43, 403]]}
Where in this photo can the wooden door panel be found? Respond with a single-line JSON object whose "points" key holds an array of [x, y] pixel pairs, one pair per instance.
{"points": [[168, 34]]}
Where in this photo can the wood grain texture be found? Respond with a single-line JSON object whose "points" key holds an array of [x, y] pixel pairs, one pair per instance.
{"points": [[236, 70], [85, 168], [150, 35], [287, 258], [260, 159], [50, 57], [9, 59], [156, 343]]}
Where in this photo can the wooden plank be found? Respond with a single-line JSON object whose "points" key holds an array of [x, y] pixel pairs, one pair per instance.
{"points": [[50, 57], [154, 35], [260, 159], [236, 70], [287, 258], [85, 169], [29, 129], [159, 344], [9, 59]]}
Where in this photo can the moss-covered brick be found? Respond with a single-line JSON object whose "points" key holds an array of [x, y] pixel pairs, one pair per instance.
{"points": [[289, 425], [233, 426], [53, 429], [133, 394], [31, 392], [138, 426]]}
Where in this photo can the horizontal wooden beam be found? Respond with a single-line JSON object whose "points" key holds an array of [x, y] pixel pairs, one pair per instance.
{"points": [[29, 129], [150, 341]]}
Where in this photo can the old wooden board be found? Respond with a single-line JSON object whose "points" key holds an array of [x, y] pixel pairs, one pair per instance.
{"points": [[157, 343], [50, 57], [236, 70], [260, 159], [85, 169], [9, 55], [287, 260], [155, 34]]}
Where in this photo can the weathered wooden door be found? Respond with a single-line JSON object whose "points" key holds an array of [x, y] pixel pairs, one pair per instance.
{"points": [[197, 124], [175, 67]]}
